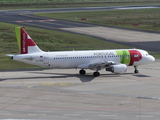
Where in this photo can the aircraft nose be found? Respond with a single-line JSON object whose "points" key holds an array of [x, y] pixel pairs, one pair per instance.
{"points": [[152, 59]]}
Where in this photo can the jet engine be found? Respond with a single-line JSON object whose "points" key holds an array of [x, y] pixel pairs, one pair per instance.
{"points": [[121, 68]]}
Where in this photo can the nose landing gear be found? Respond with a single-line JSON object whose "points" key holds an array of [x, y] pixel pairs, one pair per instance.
{"points": [[136, 71]]}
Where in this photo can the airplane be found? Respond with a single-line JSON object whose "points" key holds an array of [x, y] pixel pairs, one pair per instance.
{"points": [[115, 61]]}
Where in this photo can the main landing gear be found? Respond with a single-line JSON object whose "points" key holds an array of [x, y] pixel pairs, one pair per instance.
{"points": [[96, 74], [136, 71], [83, 72]]}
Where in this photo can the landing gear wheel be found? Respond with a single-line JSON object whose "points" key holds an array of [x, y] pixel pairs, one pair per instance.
{"points": [[82, 72], [96, 74], [136, 71]]}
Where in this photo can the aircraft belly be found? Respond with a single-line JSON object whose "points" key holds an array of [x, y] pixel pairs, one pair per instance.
{"points": [[139, 63]]}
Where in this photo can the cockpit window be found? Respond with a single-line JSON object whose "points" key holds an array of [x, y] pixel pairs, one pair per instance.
{"points": [[147, 54], [135, 55]]}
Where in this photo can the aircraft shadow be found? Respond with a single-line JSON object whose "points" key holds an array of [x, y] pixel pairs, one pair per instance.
{"points": [[83, 78]]}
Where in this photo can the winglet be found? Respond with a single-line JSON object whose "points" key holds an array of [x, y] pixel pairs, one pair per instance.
{"points": [[25, 43]]}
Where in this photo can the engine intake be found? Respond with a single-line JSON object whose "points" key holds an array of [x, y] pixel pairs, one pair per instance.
{"points": [[121, 68]]}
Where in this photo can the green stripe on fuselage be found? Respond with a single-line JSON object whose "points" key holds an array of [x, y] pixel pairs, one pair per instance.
{"points": [[124, 56], [18, 36]]}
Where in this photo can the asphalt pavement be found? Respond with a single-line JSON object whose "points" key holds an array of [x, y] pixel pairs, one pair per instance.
{"points": [[62, 94]]}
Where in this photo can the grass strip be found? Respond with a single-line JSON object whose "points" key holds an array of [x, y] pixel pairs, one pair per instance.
{"points": [[68, 1], [142, 19], [32, 4]]}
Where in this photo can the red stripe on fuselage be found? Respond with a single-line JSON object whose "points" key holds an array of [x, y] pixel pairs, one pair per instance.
{"points": [[135, 56]]}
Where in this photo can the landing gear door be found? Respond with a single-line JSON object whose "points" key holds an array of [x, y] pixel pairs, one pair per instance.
{"points": [[46, 59]]}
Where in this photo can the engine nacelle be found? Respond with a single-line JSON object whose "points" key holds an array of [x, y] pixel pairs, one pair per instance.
{"points": [[121, 68]]}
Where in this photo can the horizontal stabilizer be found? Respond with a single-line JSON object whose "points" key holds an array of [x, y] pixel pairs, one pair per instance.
{"points": [[9, 55]]}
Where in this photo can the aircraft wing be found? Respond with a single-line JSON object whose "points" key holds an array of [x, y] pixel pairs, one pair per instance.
{"points": [[93, 66]]}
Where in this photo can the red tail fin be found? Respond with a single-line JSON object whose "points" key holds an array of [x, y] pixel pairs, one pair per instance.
{"points": [[25, 42]]}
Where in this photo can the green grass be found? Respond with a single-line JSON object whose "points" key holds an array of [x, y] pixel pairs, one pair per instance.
{"points": [[67, 1], [147, 19], [28, 4], [49, 40]]}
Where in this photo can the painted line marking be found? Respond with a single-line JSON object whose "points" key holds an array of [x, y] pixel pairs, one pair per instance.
{"points": [[143, 115], [5, 114], [76, 115], [48, 83], [129, 98], [62, 84], [35, 20], [46, 111], [36, 114], [108, 115], [43, 26]]}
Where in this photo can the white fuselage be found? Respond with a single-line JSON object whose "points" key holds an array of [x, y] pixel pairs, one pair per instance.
{"points": [[78, 59]]}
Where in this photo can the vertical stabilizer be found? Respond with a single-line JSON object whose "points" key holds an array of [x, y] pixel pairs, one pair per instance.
{"points": [[25, 43]]}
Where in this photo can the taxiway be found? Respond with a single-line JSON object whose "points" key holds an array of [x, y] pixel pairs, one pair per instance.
{"points": [[65, 95]]}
